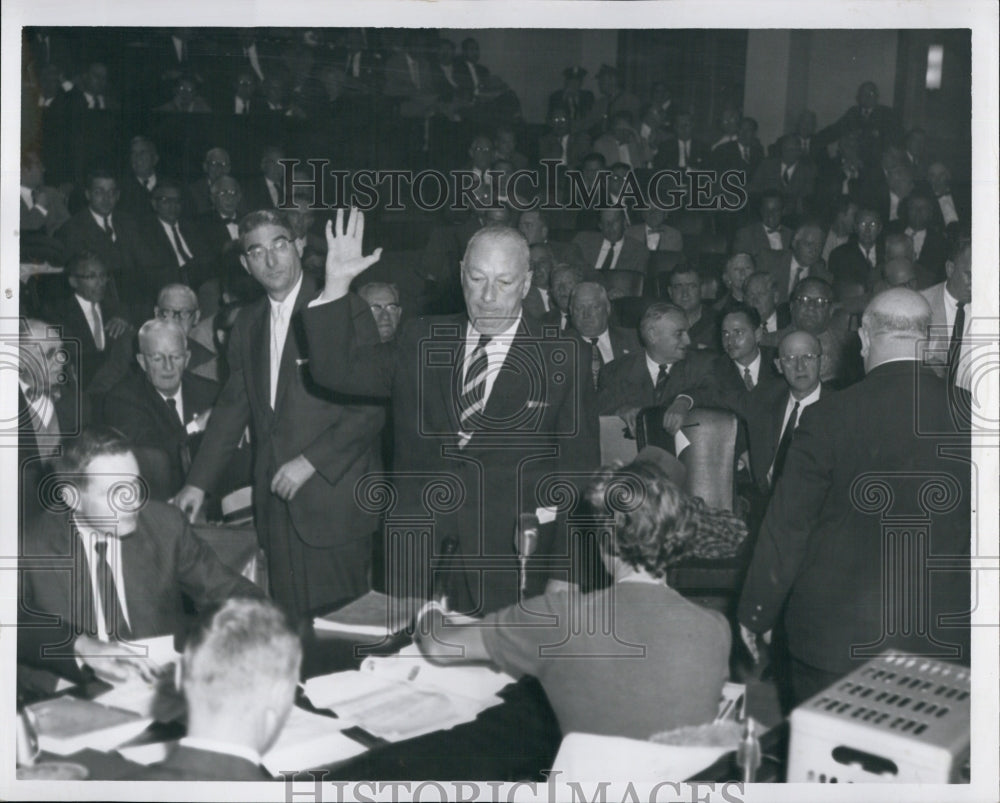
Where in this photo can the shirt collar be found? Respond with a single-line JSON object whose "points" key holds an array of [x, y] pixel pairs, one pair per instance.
{"points": [[216, 746], [654, 367], [289, 302], [806, 400], [26, 193], [754, 365], [100, 219], [472, 334]]}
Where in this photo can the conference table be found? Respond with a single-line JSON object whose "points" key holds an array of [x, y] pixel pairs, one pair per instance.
{"points": [[517, 740]]}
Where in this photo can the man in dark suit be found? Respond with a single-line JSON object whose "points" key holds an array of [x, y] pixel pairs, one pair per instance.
{"points": [[767, 234], [137, 184], [666, 372], [761, 292], [311, 447], [682, 150], [825, 552], [560, 142], [744, 153], [589, 312], [747, 367], [490, 413], [239, 672], [101, 566], [788, 174], [876, 125], [215, 166], [855, 260], [610, 249], [562, 280], [267, 190], [930, 248], [89, 318], [576, 101], [803, 259], [539, 302], [163, 409], [113, 237], [170, 249], [685, 291], [738, 268]]}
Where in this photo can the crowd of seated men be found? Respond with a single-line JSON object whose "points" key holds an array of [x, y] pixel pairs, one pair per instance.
{"points": [[136, 263]]}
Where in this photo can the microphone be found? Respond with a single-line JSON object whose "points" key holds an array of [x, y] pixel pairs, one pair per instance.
{"points": [[526, 542]]}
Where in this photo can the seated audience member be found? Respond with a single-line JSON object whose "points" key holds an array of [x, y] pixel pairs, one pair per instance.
{"points": [[215, 166], [654, 233], [610, 249], [383, 300], [538, 303], [139, 181], [573, 98], [860, 256], [589, 311], [164, 409], [238, 673], [622, 143], [665, 372], [812, 311], [505, 144], [949, 350], [876, 125], [593, 173], [743, 153], [789, 175], [561, 283], [747, 366], [896, 272], [534, 225], [930, 248], [949, 212], [219, 233], [767, 234], [729, 127], [186, 99], [560, 142], [100, 230], [171, 250], [900, 184], [684, 288], [267, 190], [675, 677], [682, 150], [275, 100], [127, 583], [761, 292], [43, 208], [91, 92], [89, 318], [179, 303], [242, 99], [738, 268], [795, 264], [613, 99], [844, 214]]}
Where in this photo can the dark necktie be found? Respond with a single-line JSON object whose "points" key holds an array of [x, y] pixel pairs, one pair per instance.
{"points": [[955, 348], [109, 228], [747, 377], [181, 247], [661, 383], [609, 258], [172, 404], [596, 360], [783, 444], [471, 400], [114, 617]]}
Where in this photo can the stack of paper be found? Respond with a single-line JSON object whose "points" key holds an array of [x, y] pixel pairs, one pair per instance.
{"points": [[403, 695], [374, 614], [67, 725]]}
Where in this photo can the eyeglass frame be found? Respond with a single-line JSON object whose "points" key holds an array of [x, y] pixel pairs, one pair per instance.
{"points": [[280, 245]]}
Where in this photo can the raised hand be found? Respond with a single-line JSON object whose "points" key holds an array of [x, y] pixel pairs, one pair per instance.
{"points": [[344, 261]]}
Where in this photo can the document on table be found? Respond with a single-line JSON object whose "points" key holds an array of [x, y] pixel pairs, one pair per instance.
{"points": [[401, 696], [157, 699]]}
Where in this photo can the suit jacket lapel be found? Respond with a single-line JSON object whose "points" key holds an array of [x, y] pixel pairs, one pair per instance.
{"points": [[296, 335], [135, 564], [259, 337]]}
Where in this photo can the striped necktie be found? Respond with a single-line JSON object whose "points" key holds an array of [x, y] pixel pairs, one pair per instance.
{"points": [[472, 400]]}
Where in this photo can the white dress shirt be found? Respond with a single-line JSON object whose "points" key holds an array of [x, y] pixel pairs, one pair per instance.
{"points": [[948, 211], [241, 106], [804, 402], [496, 353], [27, 195], [95, 320], [100, 222], [754, 367], [918, 238], [683, 152], [603, 253], [893, 206], [254, 58], [774, 238], [604, 346], [272, 190], [793, 271], [652, 239], [281, 315], [868, 254], [89, 537], [790, 168], [179, 247], [771, 324], [962, 375], [564, 144], [177, 401]]}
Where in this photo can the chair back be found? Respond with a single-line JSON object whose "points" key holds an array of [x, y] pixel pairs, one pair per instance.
{"points": [[711, 457]]}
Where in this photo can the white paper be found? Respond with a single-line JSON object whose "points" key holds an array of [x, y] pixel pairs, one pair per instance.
{"points": [[587, 757], [308, 741]]}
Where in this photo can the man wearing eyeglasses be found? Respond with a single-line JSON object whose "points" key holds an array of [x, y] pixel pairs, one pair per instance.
{"points": [[179, 303], [163, 409], [383, 299], [311, 448]]}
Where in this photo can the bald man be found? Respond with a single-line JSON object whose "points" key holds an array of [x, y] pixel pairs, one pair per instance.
{"points": [[824, 557], [485, 404], [164, 408]]}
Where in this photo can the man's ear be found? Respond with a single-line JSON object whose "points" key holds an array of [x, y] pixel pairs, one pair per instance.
{"points": [[195, 317], [866, 340], [141, 359], [243, 262], [949, 268], [527, 285]]}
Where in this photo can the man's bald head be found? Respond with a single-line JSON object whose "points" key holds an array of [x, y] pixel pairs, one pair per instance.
{"points": [[893, 324], [900, 272]]}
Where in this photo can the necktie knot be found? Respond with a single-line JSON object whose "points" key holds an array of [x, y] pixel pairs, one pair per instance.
{"points": [[747, 377]]}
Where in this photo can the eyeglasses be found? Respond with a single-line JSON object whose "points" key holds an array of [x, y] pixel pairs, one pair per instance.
{"points": [[390, 308], [166, 314], [792, 360], [279, 247], [813, 301], [868, 224]]}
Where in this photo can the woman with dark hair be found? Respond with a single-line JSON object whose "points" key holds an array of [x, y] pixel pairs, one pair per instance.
{"points": [[631, 659]]}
